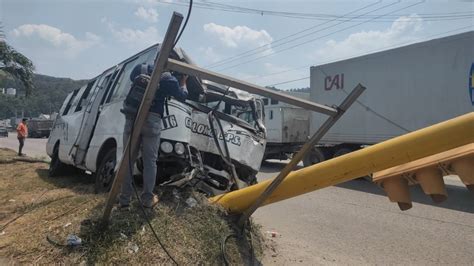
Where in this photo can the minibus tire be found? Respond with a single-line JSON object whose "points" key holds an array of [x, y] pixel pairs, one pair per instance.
{"points": [[56, 167], [105, 174]]}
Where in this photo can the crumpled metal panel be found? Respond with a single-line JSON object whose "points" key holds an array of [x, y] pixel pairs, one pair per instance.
{"points": [[191, 126]]}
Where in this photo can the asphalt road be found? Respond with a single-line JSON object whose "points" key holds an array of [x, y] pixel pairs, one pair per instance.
{"points": [[32, 148], [354, 223]]}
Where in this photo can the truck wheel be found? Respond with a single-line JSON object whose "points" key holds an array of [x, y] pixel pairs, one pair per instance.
{"points": [[342, 151], [105, 174], [313, 157], [56, 167]]}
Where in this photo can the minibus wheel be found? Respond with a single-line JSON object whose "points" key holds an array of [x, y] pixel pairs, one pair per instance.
{"points": [[56, 167], [104, 176]]}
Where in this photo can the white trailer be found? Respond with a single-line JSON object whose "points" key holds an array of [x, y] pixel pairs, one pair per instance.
{"points": [[287, 126], [409, 88]]}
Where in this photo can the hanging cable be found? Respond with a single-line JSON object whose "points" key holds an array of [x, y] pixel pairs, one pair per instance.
{"points": [[131, 162], [312, 40], [285, 38], [333, 25], [185, 22], [130, 165], [209, 5], [427, 38]]}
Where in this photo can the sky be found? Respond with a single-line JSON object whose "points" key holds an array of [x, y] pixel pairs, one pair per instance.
{"points": [[263, 42]]}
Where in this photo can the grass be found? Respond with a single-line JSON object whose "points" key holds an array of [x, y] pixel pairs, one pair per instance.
{"points": [[34, 206]]}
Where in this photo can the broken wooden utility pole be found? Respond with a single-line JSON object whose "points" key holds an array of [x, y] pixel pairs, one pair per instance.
{"points": [[163, 62], [249, 87], [132, 145], [310, 144]]}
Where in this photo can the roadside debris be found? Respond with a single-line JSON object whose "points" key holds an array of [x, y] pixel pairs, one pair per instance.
{"points": [[123, 236], [132, 248], [272, 233], [191, 202], [73, 240], [66, 225]]}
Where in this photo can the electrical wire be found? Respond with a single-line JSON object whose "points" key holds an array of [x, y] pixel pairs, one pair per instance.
{"points": [[238, 235], [320, 30], [286, 37], [185, 22], [130, 159], [312, 40], [130, 164], [285, 82], [361, 103], [25, 212], [427, 38], [372, 110], [313, 32], [209, 5]]}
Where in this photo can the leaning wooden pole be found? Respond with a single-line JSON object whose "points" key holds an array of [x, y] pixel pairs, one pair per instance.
{"points": [[153, 86], [406, 148]]}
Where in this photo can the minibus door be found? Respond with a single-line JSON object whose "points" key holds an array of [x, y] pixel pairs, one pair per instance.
{"points": [[92, 114]]}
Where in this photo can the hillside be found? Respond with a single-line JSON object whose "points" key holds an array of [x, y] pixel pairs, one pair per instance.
{"points": [[47, 96]]}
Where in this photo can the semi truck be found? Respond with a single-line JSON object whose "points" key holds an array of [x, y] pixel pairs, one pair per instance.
{"points": [[287, 127], [39, 128], [408, 88]]}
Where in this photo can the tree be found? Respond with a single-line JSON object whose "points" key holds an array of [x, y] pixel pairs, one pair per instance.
{"points": [[16, 64]]}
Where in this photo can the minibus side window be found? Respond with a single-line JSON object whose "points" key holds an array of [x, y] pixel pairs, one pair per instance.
{"points": [[84, 97], [76, 100], [104, 85], [68, 106], [110, 86], [124, 83]]}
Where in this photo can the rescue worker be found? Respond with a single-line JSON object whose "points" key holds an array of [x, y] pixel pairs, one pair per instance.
{"points": [[150, 134], [22, 133]]}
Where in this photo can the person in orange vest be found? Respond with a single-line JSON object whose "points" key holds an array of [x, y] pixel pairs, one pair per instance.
{"points": [[22, 131]]}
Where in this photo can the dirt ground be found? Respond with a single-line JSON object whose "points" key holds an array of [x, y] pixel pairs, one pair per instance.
{"points": [[38, 214]]}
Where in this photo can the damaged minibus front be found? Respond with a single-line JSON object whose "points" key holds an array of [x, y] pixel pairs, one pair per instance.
{"points": [[214, 141]]}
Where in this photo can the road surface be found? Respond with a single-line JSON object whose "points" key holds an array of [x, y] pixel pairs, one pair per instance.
{"points": [[32, 148], [354, 223]]}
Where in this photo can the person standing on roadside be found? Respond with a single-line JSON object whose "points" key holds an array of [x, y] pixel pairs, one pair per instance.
{"points": [[22, 132], [149, 140]]}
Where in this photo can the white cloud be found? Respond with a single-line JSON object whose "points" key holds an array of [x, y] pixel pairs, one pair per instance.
{"points": [[147, 14], [152, 2], [210, 55], [56, 37], [146, 36], [136, 37], [238, 36], [272, 68], [402, 30]]}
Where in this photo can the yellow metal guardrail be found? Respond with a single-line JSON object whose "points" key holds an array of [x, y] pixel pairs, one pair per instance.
{"points": [[403, 149]]}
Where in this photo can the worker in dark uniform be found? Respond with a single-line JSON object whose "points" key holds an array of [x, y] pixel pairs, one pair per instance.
{"points": [[150, 134]]}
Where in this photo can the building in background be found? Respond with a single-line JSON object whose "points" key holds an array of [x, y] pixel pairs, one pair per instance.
{"points": [[11, 91]]}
